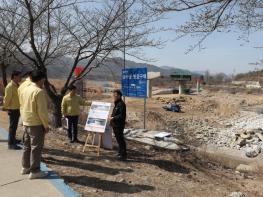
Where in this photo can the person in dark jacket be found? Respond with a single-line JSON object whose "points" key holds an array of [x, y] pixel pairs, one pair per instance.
{"points": [[117, 121]]}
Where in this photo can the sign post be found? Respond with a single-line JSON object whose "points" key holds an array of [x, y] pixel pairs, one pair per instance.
{"points": [[134, 84], [144, 116]]}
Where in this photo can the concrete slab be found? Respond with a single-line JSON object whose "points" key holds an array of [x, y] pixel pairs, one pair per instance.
{"points": [[229, 157], [13, 184], [10, 164], [147, 137], [26, 188], [3, 145]]}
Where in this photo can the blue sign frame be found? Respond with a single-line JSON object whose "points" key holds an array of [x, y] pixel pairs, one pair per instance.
{"points": [[134, 82]]}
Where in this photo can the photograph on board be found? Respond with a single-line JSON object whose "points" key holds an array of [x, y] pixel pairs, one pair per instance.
{"points": [[96, 122]]}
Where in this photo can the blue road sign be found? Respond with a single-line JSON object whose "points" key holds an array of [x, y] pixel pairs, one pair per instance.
{"points": [[134, 82]]}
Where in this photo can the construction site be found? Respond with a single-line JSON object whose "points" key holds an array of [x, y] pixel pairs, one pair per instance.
{"points": [[136, 98], [213, 144]]}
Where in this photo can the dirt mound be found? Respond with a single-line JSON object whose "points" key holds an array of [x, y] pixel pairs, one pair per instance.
{"points": [[191, 103], [154, 120]]}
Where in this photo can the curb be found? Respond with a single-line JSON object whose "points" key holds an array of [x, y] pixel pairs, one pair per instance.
{"points": [[55, 180], [59, 183]]}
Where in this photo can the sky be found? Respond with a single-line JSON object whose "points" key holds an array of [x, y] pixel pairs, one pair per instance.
{"points": [[223, 51]]}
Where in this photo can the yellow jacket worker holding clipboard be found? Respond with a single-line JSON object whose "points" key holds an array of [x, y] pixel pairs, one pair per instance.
{"points": [[70, 109]]}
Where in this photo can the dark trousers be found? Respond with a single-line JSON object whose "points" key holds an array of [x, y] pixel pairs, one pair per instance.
{"points": [[118, 132], [13, 123], [73, 123]]}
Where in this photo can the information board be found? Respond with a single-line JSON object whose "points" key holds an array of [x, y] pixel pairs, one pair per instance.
{"points": [[134, 82], [98, 117]]}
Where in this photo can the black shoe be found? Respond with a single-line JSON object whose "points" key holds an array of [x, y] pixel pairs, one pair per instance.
{"points": [[77, 141], [14, 147], [18, 141], [118, 155], [70, 141], [122, 158]]}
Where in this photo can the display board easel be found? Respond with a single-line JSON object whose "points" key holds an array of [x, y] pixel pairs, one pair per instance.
{"points": [[90, 141], [96, 125]]}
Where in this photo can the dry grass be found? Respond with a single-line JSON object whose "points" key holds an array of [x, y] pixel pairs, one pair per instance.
{"points": [[226, 109]]}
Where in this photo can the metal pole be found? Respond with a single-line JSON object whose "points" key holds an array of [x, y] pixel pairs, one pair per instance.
{"points": [[198, 86], [124, 37], [144, 121]]}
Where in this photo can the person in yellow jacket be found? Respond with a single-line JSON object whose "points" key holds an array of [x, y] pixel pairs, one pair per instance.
{"points": [[22, 87], [70, 108], [35, 121], [11, 104]]}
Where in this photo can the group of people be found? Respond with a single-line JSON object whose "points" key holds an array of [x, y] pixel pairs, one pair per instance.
{"points": [[71, 111], [29, 101]]}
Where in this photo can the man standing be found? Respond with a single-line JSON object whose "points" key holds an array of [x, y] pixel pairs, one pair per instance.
{"points": [[35, 121], [22, 86], [117, 121], [70, 109], [11, 104]]}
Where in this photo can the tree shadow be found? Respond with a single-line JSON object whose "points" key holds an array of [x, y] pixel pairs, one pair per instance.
{"points": [[166, 165], [133, 156], [141, 154], [106, 185], [85, 166], [63, 153]]}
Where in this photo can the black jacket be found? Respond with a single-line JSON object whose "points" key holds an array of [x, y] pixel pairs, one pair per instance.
{"points": [[119, 114]]}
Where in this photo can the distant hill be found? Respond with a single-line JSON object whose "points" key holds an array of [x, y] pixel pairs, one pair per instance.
{"points": [[110, 70], [250, 76]]}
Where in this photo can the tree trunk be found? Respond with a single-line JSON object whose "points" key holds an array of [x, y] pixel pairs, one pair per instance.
{"points": [[56, 100], [3, 71], [56, 112]]}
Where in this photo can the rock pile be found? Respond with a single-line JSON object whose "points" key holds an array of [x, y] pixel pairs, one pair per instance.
{"points": [[251, 140]]}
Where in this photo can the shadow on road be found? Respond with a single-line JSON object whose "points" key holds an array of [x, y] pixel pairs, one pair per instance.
{"points": [[170, 166], [85, 166], [63, 153], [134, 156], [106, 185]]}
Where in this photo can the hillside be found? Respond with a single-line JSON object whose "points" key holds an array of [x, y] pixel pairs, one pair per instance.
{"points": [[110, 70], [250, 76]]}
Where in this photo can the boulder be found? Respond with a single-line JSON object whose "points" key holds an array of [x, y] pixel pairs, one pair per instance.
{"points": [[258, 130], [245, 168], [237, 194], [245, 135], [259, 110], [240, 141], [253, 151], [260, 136]]}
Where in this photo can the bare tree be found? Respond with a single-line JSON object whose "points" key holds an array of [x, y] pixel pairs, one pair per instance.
{"points": [[208, 16], [86, 31], [11, 28]]}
